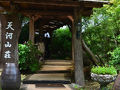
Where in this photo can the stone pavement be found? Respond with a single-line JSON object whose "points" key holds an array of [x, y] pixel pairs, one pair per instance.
{"points": [[45, 87]]}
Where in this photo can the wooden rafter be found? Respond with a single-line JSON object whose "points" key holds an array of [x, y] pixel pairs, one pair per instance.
{"points": [[50, 23]]}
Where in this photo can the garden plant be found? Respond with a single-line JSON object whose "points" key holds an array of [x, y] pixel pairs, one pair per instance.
{"points": [[103, 75], [29, 57]]}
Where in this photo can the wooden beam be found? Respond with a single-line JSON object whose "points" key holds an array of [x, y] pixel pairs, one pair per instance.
{"points": [[92, 4], [46, 13], [73, 35], [78, 58], [31, 29], [37, 17], [61, 3], [46, 2], [87, 12], [71, 18], [53, 13], [0, 42]]}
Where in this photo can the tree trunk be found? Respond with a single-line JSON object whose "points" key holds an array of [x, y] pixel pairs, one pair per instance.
{"points": [[94, 60]]}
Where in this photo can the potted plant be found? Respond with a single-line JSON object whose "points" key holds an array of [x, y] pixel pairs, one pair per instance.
{"points": [[103, 75]]}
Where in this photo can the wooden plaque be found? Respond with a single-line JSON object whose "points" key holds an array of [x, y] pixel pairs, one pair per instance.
{"points": [[10, 27]]}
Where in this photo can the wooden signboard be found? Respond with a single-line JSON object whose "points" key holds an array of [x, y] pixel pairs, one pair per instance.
{"points": [[11, 27]]}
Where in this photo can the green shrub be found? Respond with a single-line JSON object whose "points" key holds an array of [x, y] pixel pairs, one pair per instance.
{"points": [[104, 70], [61, 43], [115, 58], [29, 57]]}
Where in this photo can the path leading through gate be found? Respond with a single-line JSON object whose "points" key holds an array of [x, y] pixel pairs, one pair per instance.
{"points": [[54, 75]]}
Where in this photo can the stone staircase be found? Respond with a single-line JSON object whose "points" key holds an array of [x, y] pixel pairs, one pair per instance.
{"points": [[52, 72]]}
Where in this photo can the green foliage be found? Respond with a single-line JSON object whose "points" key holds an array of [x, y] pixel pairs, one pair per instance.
{"points": [[24, 36], [28, 57], [102, 30], [104, 70], [115, 58], [61, 43]]}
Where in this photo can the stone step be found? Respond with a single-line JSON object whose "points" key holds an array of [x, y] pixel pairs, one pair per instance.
{"points": [[53, 78], [58, 60], [55, 68], [52, 72], [46, 82], [58, 64], [60, 71], [50, 76], [55, 62]]}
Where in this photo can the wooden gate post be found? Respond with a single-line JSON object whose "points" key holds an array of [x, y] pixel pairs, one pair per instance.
{"points": [[0, 42], [31, 29], [78, 58], [11, 27]]}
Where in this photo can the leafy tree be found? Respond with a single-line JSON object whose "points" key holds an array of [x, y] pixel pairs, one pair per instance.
{"points": [[102, 29], [61, 43]]}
